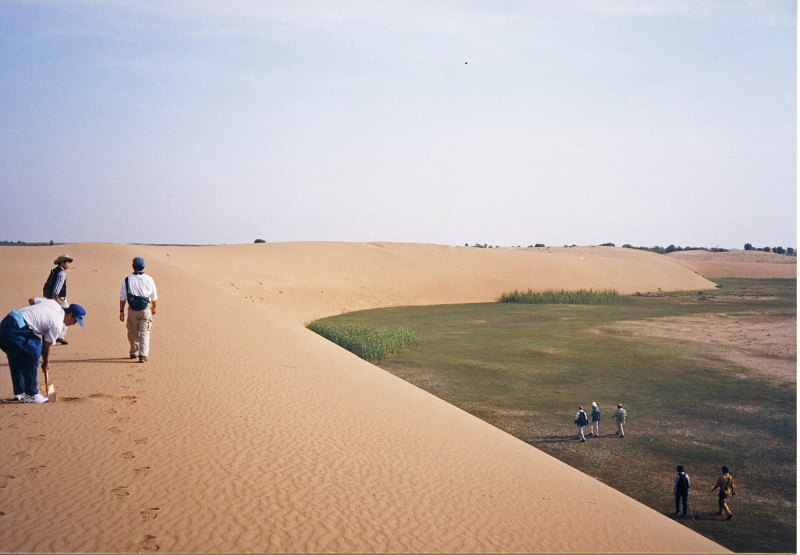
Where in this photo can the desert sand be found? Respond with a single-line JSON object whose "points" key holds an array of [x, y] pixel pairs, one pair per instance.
{"points": [[737, 263], [245, 432]]}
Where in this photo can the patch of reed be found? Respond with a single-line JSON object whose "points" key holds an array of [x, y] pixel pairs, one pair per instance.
{"points": [[368, 342], [581, 296]]}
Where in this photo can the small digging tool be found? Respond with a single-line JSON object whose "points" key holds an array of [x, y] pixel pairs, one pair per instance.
{"points": [[49, 389]]}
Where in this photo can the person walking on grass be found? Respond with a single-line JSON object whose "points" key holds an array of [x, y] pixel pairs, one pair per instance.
{"points": [[28, 333], [594, 427], [55, 288], [725, 485], [139, 291], [620, 416], [581, 421], [680, 488]]}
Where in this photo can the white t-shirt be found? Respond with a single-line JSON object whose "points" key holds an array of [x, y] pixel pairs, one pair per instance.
{"points": [[44, 317], [141, 285]]}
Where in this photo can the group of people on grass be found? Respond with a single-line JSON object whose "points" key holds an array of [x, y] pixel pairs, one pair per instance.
{"points": [[27, 334], [581, 420], [681, 483], [680, 488]]}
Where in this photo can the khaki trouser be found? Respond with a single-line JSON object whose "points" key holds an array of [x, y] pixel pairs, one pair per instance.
{"points": [[620, 429], [63, 303], [140, 322]]}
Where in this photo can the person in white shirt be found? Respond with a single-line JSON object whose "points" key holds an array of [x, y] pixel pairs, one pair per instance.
{"points": [[28, 333], [139, 291]]}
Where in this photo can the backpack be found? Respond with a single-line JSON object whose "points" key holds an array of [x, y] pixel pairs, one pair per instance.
{"points": [[134, 301], [581, 420], [683, 482]]}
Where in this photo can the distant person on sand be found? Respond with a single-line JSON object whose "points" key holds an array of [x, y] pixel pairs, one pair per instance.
{"points": [[581, 421], [55, 288], [594, 428], [620, 416], [139, 290], [28, 333], [680, 488], [725, 485]]}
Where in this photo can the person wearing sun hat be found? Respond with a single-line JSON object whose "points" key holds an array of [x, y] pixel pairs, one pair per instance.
{"points": [[55, 288], [28, 333], [139, 291]]}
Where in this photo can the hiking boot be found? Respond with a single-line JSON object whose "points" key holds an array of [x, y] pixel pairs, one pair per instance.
{"points": [[133, 356], [728, 517], [62, 341], [38, 398], [583, 440], [142, 358]]}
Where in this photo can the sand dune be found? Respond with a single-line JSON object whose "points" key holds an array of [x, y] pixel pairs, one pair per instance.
{"points": [[737, 263], [247, 433]]}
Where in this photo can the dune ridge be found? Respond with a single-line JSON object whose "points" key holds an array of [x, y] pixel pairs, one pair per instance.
{"points": [[245, 432]]}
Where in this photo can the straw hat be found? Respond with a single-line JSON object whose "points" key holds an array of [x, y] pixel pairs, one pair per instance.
{"points": [[63, 258]]}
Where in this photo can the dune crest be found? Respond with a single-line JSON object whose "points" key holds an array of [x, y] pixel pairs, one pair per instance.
{"points": [[245, 432]]}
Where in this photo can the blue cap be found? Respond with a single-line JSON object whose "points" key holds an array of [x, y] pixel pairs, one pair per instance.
{"points": [[138, 263], [77, 312]]}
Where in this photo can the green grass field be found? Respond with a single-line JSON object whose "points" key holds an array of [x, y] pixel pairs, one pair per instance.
{"points": [[525, 369]]}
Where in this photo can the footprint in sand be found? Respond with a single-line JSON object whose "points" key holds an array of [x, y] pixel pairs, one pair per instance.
{"points": [[128, 455], [121, 491], [40, 437], [123, 418], [140, 441], [141, 471], [111, 411], [5, 479], [149, 513], [21, 454], [13, 426], [114, 430], [148, 543], [36, 469]]}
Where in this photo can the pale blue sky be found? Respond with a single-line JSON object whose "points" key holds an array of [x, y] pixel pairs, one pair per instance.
{"points": [[508, 123]]}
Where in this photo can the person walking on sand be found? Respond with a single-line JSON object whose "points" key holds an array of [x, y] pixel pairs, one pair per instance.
{"points": [[55, 288], [725, 485], [680, 488], [620, 416], [28, 333], [594, 427], [581, 421], [139, 290]]}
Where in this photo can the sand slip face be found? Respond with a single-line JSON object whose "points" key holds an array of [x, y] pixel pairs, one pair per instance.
{"points": [[245, 432]]}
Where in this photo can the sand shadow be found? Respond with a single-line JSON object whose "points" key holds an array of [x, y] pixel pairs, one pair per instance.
{"points": [[10, 402], [101, 360]]}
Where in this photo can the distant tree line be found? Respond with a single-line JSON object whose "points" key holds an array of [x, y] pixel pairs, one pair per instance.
{"points": [[777, 250], [669, 249], [23, 244]]}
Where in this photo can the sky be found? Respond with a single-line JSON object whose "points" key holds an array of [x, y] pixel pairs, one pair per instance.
{"points": [[451, 122]]}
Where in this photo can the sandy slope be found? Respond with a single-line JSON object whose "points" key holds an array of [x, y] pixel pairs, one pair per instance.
{"points": [[737, 263], [245, 432]]}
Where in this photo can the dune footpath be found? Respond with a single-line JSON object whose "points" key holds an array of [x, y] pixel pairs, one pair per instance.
{"points": [[245, 432]]}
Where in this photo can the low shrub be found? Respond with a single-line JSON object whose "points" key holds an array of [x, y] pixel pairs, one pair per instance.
{"points": [[368, 342], [581, 296]]}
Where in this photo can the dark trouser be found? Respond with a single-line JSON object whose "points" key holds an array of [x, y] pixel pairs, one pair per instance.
{"points": [[681, 496], [23, 349]]}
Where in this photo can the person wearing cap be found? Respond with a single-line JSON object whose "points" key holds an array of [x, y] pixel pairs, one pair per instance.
{"points": [[725, 485], [55, 288], [594, 427], [580, 422], [28, 333], [620, 416], [139, 291], [680, 487]]}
